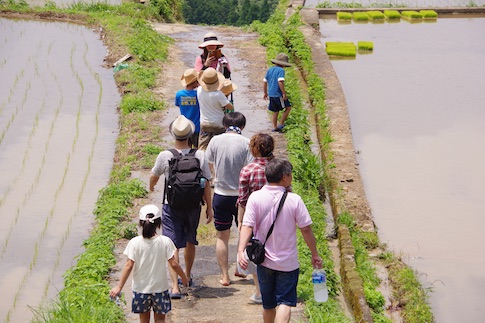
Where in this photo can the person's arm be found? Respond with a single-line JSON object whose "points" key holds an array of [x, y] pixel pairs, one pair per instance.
{"points": [[281, 84], [208, 202], [176, 267], [310, 241], [153, 181], [229, 107], [124, 276], [265, 89], [198, 66], [244, 237], [240, 216]]}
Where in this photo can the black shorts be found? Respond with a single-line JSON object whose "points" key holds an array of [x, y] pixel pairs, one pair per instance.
{"points": [[225, 211], [277, 104]]}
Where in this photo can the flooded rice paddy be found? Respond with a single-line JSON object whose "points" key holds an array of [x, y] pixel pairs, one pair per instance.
{"points": [[417, 112], [58, 126], [404, 3]]}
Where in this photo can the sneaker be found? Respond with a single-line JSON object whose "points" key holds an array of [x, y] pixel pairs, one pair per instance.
{"points": [[256, 299], [277, 130]]}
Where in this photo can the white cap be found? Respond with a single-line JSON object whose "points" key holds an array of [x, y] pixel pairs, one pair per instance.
{"points": [[150, 209]]}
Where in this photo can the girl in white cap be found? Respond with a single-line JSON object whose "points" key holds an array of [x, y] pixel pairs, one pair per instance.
{"points": [[212, 56], [147, 256]]}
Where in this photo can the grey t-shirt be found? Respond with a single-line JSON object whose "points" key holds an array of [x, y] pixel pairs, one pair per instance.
{"points": [[229, 152]]}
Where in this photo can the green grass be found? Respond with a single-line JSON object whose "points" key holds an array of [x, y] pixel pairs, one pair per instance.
{"points": [[360, 16], [376, 15], [392, 14], [365, 45], [429, 14], [344, 15], [345, 49], [412, 14]]}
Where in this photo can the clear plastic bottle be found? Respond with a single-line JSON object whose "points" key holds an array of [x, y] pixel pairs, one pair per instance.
{"points": [[202, 182], [319, 280]]}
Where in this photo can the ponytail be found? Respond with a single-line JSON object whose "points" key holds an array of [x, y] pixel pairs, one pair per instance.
{"points": [[150, 229]]}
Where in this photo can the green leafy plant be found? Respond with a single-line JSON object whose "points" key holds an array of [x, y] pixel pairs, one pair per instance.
{"points": [[392, 14], [428, 14], [365, 45], [346, 49], [344, 15], [412, 14], [376, 15], [360, 16]]}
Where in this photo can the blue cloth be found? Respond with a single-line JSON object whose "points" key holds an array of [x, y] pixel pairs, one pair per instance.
{"points": [[186, 100], [277, 287], [273, 75]]}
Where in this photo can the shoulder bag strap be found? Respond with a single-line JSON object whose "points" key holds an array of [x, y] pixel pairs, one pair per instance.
{"points": [[282, 201]]}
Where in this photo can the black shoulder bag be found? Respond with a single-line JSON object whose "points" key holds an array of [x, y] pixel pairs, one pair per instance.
{"points": [[255, 249]]}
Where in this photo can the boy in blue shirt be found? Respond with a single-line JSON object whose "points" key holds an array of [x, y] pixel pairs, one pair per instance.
{"points": [[186, 100], [274, 89]]}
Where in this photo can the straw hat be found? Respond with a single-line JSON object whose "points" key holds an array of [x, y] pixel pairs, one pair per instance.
{"points": [[228, 87], [281, 59], [210, 80], [210, 39], [189, 77], [181, 128]]}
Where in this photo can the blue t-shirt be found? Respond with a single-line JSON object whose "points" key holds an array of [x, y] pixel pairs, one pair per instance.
{"points": [[186, 100], [273, 75]]}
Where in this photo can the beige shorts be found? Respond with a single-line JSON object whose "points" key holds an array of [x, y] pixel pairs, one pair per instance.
{"points": [[206, 134]]}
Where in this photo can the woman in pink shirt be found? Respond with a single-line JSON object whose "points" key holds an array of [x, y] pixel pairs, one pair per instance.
{"points": [[212, 56]]}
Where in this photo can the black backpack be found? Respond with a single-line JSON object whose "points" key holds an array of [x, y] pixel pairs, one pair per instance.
{"points": [[183, 185]]}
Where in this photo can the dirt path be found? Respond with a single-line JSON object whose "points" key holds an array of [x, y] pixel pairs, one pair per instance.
{"points": [[208, 301]]}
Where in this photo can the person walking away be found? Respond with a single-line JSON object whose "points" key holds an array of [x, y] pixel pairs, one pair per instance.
{"points": [[251, 179], [180, 224], [274, 90], [213, 105], [228, 153], [278, 273], [212, 56], [228, 87], [186, 100], [147, 257]]}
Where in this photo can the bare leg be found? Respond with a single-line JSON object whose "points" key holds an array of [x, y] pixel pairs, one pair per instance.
{"points": [[284, 115], [222, 255], [256, 284], [159, 318], [283, 314], [174, 276], [269, 315], [189, 256], [145, 317], [275, 119]]}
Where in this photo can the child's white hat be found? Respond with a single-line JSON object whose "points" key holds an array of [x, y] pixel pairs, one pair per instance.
{"points": [[150, 210]]}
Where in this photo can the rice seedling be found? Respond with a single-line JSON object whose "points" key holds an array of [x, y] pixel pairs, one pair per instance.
{"points": [[411, 14], [346, 49], [429, 14], [360, 16], [392, 14], [365, 45], [344, 16], [376, 15]]}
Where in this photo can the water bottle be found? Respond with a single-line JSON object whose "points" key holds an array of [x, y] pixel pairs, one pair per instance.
{"points": [[319, 280], [202, 182]]}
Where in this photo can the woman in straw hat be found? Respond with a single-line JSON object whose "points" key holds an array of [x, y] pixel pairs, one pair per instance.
{"points": [[212, 56]]}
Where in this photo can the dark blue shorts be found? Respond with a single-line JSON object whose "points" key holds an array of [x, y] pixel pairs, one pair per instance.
{"points": [[159, 302], [278, 104], [277, 287], [225, 211], [180, 225]]}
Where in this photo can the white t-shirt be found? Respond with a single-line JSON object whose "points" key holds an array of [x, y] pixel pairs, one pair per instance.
{"points": [[150, 257], [211, 106]]}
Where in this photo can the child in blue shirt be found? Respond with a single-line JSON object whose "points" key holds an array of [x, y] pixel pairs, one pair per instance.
{"points": [[274, 89], [186, 100]]}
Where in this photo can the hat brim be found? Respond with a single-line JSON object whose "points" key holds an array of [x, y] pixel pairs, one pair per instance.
{"points": [[213, 86], [184, 83], [282, 63], [211, 42], [191, 132], [227, 92]]}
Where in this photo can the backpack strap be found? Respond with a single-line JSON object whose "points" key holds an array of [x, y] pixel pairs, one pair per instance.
{"points": [[192, 152]]}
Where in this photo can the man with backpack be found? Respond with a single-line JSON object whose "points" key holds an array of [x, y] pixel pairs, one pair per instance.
{"points": [[186, 175]]}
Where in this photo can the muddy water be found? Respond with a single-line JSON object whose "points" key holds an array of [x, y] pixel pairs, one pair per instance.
{"points": [[58, 125], [417, 113], [406, 3]]}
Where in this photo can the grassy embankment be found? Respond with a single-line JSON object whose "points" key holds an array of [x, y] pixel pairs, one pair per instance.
{"points": [[310, 174]]}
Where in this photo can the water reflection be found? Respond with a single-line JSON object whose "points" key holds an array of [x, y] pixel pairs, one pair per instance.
{"points": [[58, 125], [404, 3], [417, 114]]}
